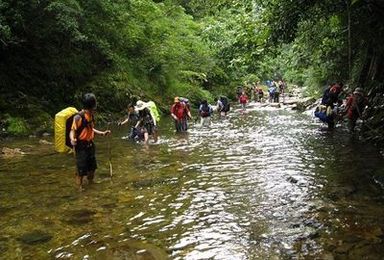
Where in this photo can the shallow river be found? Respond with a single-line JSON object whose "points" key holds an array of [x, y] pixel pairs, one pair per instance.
{"points": [[265, 184]]}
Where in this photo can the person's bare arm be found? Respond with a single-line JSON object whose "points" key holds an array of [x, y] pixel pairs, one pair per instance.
{"points": [[103, 133]]}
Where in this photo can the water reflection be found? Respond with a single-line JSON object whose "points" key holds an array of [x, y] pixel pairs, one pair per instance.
{"points": [[258, 185]]}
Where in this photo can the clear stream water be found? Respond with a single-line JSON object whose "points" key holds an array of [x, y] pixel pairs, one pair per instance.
{"points": [[266, 184]]}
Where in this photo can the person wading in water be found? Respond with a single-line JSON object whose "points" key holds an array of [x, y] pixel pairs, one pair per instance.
{"points": [[81, 136], [180, 114]]}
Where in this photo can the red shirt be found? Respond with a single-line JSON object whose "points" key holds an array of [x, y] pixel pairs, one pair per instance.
{"points": [[243, 99], [354, 110], [180, 110]]}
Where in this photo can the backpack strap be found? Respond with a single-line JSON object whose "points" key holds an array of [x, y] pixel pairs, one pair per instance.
{"points": [[84, 123]]}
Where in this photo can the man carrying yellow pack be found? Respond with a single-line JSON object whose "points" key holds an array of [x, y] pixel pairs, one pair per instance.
{"points": [[82, 135]]}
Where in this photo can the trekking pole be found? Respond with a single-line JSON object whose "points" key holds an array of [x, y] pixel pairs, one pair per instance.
{"points": [[109, 154]]}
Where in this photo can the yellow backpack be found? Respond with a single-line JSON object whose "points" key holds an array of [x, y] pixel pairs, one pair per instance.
{"points": [[63, 123]]}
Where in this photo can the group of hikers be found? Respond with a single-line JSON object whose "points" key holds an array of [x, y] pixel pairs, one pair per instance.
{"points": [[333, 108], [275, 90], [143, 118]]}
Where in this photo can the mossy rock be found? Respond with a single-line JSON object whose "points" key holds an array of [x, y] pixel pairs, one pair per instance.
{"points": [[35, 237]]}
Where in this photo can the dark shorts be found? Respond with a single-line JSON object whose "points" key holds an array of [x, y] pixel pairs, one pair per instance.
{"points": [[151, 128], [85, 158], [181, 125]]}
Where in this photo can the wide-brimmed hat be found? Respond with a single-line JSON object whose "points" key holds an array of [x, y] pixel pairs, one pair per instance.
{"points": [[358, 91], [140, 105]]}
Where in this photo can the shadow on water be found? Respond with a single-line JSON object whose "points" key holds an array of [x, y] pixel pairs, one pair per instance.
{"points": [[266, 183]]}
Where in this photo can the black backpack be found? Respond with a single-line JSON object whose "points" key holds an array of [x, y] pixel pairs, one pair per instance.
{"points": [[205, 111], [224, 101]]}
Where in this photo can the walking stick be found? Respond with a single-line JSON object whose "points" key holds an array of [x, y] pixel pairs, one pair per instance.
{"points": [[109, 155]]}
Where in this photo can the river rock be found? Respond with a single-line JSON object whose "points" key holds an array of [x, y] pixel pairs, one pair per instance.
{"points": [[304, 103], [35, 237], [11, 152], [41, 141], [274, 105], [81, 216]]}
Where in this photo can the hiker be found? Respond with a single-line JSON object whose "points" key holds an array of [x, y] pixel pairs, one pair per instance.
{"points": [[356, 104], [223, 106], [243, 99], [146, 125], [328, 101], [81, 136], [132, 119], [260, 94], [276, 97], [205, 111], [331, 94], [271, 92], [282, 87], [180, 112], [239, 91]]}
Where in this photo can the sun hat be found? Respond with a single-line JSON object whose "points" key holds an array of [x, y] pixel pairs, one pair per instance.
{"points": [[358, 91], [140, 105]]}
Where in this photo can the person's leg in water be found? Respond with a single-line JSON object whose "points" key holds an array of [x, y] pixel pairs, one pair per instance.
{"points": [[90, 176], [86, 163], [146, 137], [155, 134], [178, 125], [185, 125], [206, 121], [79, 182], [352, 124], [331, 122]]}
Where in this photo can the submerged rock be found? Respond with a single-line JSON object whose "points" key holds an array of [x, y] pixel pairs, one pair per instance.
{"points": [[81, 216], [35, 237]]}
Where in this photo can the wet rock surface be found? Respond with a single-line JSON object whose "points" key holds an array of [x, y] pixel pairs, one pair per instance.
{"points": [[80, 216], [35, 237]]}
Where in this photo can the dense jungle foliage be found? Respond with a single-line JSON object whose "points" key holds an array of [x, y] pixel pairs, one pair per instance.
{"points": [[52, 51]]}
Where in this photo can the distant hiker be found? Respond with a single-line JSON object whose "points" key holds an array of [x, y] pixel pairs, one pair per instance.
{"points": [[259, 93], [272, 91], [180, 113], [239, 91], [276, 97], [328, 101], [243, 99], [81, 136], [356, 104], [282, 87], [223, 106], [132, 119], [146, 125], [205, 111]]}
